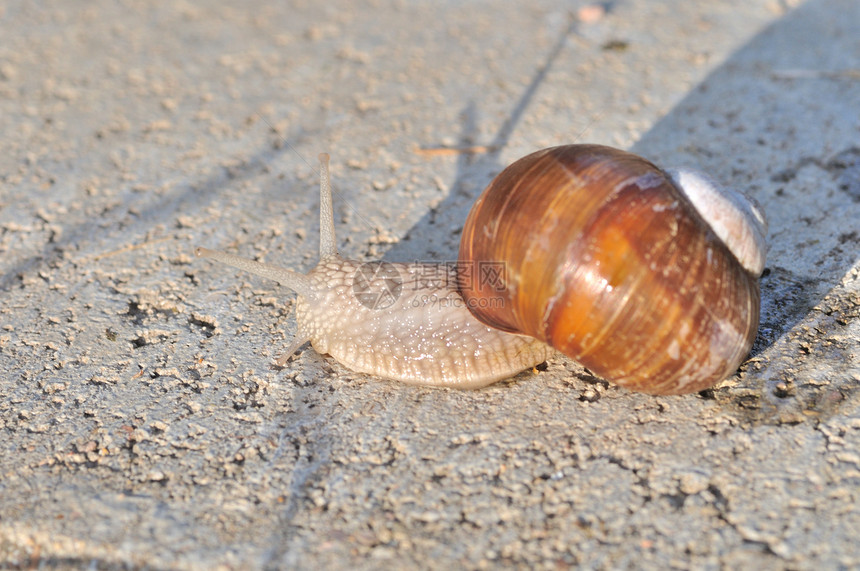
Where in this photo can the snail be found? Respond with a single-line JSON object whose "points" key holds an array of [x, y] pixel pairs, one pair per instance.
{"points": [[648, 278]]}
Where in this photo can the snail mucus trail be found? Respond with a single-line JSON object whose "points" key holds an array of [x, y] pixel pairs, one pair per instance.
{"points": [[648, 278]]}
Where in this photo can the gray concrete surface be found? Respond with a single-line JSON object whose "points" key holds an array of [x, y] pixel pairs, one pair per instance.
{"points": [[143, 425]]}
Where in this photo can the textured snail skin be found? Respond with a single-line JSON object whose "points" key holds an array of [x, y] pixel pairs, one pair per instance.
{"points": [[606, 260], [426, 337], [406, 322]]}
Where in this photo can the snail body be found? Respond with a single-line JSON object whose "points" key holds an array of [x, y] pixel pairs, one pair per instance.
{"points": [[405, 322], [595, 252]]}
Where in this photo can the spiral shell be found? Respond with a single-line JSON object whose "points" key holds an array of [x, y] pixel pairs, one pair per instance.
{"points": [[605, 258]]}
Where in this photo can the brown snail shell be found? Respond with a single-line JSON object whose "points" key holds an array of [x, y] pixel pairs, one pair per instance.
{"points": [[604, 258]]}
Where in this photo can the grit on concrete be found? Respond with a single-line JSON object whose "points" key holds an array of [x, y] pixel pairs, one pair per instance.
{"points": [[143, 423]]}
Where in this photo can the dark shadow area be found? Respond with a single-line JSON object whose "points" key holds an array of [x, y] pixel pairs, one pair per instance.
{"points": [[483, 165]]}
